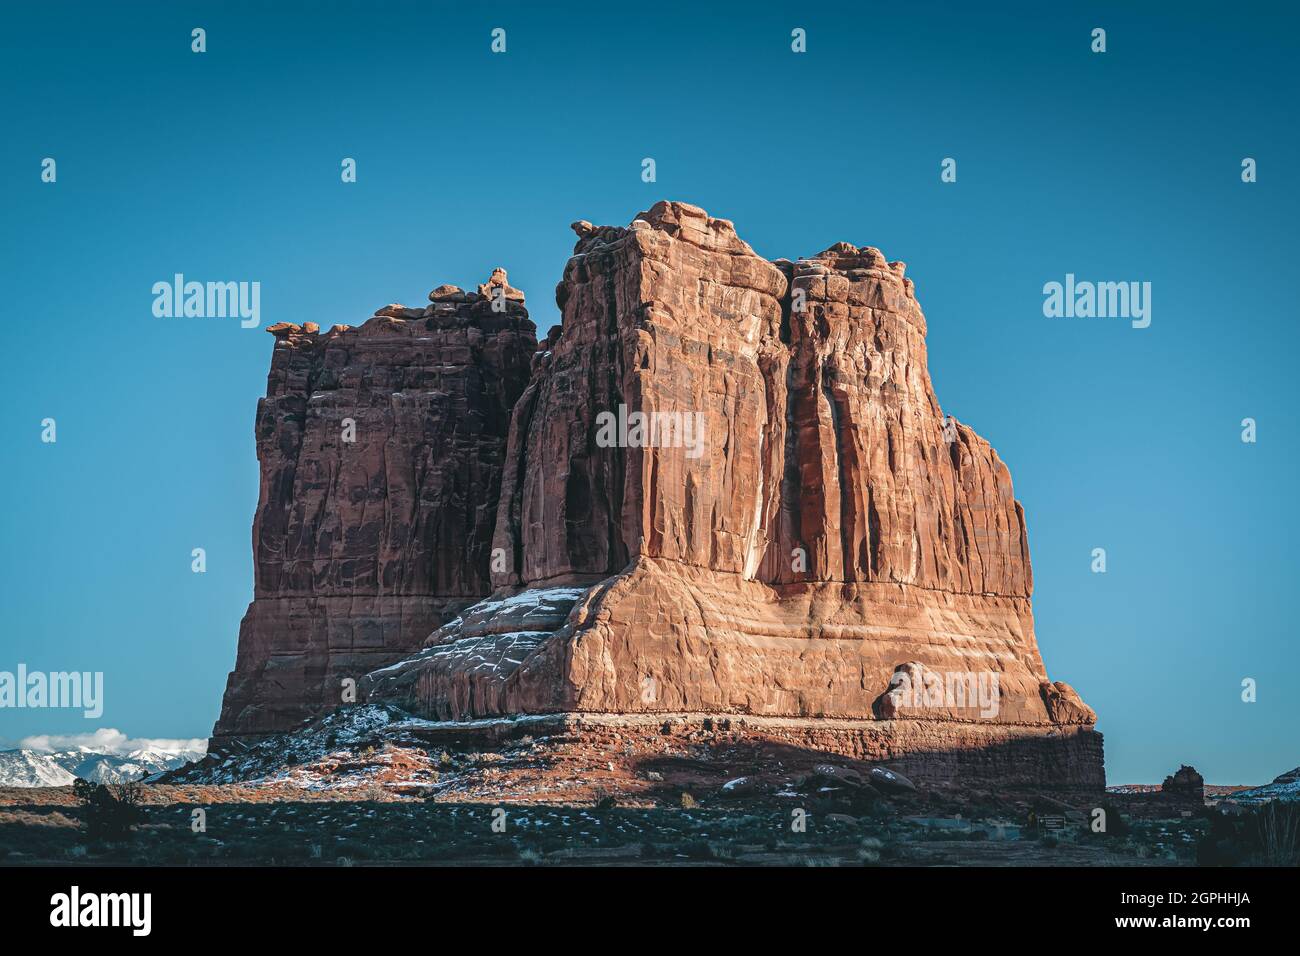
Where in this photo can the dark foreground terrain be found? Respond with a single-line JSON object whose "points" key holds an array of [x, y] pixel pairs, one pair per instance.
{"points": [[366, 788], [273, 825], [368, 785]]}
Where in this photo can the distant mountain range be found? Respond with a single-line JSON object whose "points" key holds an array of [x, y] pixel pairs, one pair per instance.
{"points": [[35, 768]]}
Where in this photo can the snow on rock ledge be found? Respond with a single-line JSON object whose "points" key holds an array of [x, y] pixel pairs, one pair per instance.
{"points": [[469, 665]]}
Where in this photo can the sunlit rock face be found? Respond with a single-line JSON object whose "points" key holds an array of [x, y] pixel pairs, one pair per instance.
{"points": [[729, 488]]}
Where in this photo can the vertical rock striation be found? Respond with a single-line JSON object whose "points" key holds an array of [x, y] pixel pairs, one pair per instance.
{"points": [[381, 450], [798, 533]]}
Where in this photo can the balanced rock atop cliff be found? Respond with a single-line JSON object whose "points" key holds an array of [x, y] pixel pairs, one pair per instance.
{"points": [[381, 448], [729, 488]]}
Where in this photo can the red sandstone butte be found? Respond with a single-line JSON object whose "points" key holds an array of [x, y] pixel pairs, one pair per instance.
{"points": [[836, 534], [362, 548]]}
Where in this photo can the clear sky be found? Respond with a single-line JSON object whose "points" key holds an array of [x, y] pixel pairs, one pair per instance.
{"points": [[1122, 166]]}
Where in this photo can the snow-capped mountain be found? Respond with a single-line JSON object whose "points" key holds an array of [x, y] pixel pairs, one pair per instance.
{"points": [[27, 768], [102, 764], [118, 768]]}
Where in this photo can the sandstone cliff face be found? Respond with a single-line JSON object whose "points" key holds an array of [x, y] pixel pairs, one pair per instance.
{"points": [[804, 530], [381, 450]]}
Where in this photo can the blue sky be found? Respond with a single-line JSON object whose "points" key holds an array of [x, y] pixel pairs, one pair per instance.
{"points": [[225, 166]]}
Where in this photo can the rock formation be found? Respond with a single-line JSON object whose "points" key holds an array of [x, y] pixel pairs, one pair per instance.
{"points": [[381, 450], [1184, 784], [729, 488]]}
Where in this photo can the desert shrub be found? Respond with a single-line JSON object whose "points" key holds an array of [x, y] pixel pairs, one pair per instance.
{"points": [[721, 851], [1268, 835], [696, 850], [530, 856], [110, 812], [869, 851], [1117, 828], [1276, 836], [1221, 845]]}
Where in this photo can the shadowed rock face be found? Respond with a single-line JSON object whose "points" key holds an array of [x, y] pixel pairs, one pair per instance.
{"points": [[1185, 782], [805, 529], [362, 547]]}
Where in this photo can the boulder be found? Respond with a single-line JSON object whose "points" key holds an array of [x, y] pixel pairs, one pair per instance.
{"points": [[890, 781]]}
